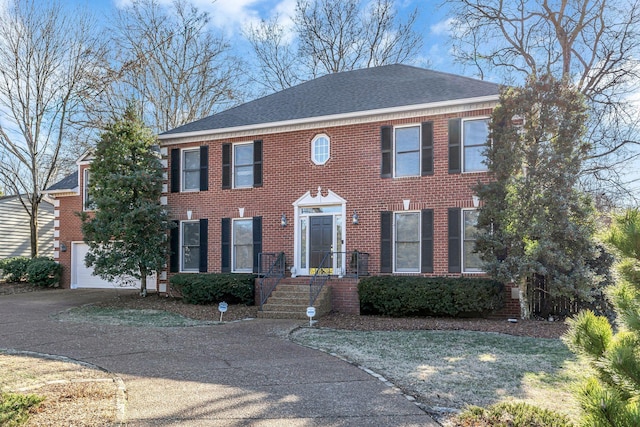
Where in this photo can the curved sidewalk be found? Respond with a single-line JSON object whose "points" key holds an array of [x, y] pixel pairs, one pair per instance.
{"points": [[238, 374]]}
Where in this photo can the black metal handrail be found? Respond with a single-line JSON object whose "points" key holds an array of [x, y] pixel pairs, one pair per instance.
{"points": [[273, 275], [320, 277], [357, 264]]}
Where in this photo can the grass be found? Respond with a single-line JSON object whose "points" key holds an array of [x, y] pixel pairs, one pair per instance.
{"points": [[128, 317], [454, 369], [14, 408]]}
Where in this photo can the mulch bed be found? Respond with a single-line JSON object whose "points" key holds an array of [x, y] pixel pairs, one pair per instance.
{"points": [[131, 300]]}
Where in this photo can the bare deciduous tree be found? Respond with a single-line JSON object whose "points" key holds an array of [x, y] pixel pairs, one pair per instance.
{"points": [[593, 43], [173, 64], [50, 61], [331, 36]]}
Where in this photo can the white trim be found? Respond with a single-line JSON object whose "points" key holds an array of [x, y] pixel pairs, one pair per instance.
{"points": [[313, 146], [182, 171], [233, 164], [462, 144], [182, 270], [462, 211], [307, 200], [419, 267], [418, 110], [394, 151], [233, 244]]}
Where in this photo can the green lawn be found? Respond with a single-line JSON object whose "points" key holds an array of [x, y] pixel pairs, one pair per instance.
{"points": [[453, 369]]}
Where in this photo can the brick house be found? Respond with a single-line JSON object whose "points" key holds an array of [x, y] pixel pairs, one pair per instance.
{"points": [[380, 161]]}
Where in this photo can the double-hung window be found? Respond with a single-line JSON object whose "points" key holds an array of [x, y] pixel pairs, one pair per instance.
{"points": [[463, 233], [406, 241], [242, 165], [406, 150], [243, 245], [190, 246], [471, 262], [468, 139], [190, 169], [87, 200]]}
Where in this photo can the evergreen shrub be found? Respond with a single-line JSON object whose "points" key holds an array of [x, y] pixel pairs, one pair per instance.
{"points": [[44, 272], [212, 288], [15, 269], [403, 296]]}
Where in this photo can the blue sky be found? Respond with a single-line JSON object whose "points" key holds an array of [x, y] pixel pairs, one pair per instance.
{"points": [[229, 17]]}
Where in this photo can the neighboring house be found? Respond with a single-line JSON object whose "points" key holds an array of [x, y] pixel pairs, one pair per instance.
{"points": [[15, 233], [379, 161], [70, 198]]}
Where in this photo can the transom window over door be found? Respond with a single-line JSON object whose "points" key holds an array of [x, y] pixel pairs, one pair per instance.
{"points": [[243, 245], [407, 151]]}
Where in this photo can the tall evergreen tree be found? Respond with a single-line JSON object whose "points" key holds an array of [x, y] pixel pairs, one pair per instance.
{"points": [[535, 223], [612, 396], [127, 231]]}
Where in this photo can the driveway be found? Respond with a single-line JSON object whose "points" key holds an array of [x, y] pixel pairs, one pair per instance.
{"points": [[238, 374]]}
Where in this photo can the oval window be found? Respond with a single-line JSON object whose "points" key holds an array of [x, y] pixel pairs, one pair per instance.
{"points": [[320, 148]]}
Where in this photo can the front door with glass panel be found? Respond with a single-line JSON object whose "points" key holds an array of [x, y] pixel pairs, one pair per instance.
{"points": [[320, 242], [321, 232]]}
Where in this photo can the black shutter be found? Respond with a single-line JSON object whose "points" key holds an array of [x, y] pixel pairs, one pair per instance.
{"points": [[427, 148], [455, 245], [226, 165], [455, 145], [204, 245], [225, 237], [386, 242], [204, 168], [426, 265], [174, 246], [257, 242], [175, 170], [386, 146], [257, 163]]}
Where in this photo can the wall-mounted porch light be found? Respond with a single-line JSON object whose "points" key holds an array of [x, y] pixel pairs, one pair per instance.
{"points": [[355, 219], [283, 220]]}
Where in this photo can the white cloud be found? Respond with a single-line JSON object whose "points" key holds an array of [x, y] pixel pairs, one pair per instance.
{"points": [[442, 28]]}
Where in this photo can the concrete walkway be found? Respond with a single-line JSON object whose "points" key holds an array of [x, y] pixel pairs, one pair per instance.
{"points": [[238, 374]]}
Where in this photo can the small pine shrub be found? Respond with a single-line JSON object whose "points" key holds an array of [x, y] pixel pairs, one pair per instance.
{"points": [[15, 269], [404, 296], [212, 288], [511, 414], [14, 408], [44, 272]]}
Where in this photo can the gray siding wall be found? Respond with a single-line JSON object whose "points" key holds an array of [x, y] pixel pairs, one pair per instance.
{"points": [[14, 229]]}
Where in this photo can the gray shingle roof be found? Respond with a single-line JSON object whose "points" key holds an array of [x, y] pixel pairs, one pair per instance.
{"points": [[348, 92], [69, 182]]}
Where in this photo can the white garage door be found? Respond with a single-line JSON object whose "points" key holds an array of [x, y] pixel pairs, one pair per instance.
{"points": [[82, 276]]}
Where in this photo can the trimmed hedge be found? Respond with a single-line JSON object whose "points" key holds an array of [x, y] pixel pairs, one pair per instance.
{"points": [[44, 272], [404, 296], [15, 269], [212, 288]]}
